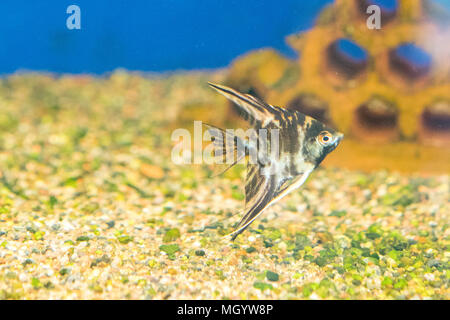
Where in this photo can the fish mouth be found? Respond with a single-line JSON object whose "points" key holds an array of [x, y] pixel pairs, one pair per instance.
{"points": [[339, 137]]}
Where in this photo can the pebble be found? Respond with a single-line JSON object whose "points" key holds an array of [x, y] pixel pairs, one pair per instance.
{"points": [[429, 276]]}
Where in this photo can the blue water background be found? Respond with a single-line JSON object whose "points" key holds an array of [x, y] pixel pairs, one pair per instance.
{"points": [[148, 35], [152, 35]]}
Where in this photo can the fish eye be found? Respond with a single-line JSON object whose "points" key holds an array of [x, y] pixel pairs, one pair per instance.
{"points": [[325, 138]]}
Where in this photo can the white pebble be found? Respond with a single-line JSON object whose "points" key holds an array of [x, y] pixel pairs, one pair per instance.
{"points": [[429, 276]]}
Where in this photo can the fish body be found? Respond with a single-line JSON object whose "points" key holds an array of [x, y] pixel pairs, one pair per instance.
{"points": [[281, 164]]}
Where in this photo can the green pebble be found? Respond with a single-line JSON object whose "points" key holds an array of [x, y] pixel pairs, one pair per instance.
{"points": [[272, 276], [237, 195], [320, 261], [274, 234], [64, 271], [171, 235], [111, 224], [268, 243], [250, 249], [372, 235], [338, 213], [262, 285], [27, 262], [386, 282], [200, 253], [36, 283], [170, 249], [124, 239], [356, 282], [104, 259], [400, 284]]}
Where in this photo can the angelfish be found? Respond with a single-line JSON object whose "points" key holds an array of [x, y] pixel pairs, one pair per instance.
{"points": [[303, 142]]}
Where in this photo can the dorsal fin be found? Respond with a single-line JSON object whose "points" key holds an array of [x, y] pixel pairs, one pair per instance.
{"points": [[253, 109]]}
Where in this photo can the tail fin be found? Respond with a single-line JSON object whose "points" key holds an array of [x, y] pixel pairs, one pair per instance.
{"points": [[227, 147]]}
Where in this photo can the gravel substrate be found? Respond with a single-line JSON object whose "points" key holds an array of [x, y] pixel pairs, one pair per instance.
{"points": [[91, 207]]}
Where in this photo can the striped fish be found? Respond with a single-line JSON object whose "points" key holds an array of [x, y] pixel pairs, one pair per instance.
{"points": [[302, 144]]}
